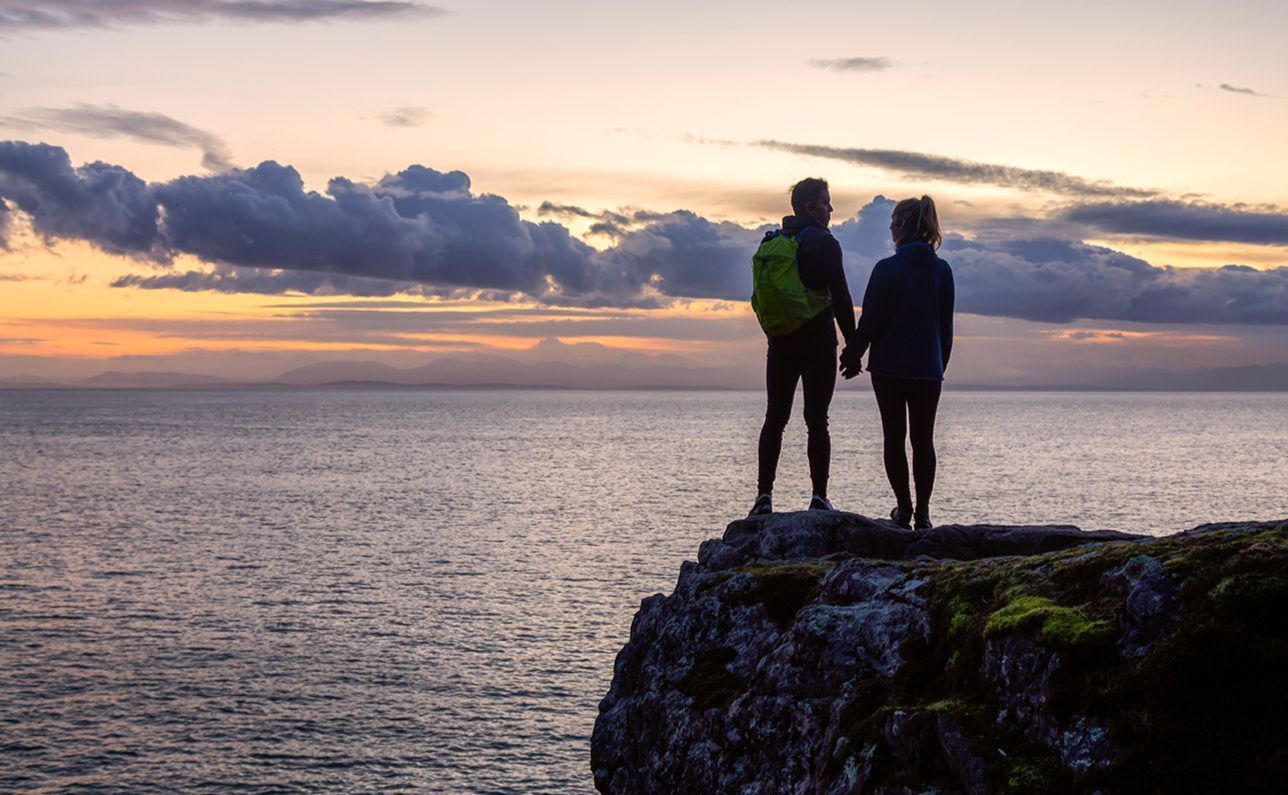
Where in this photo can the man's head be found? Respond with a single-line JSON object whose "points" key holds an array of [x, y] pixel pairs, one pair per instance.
{"points": [[811, 200]]}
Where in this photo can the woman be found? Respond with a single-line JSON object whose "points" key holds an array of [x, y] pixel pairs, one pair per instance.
{"points": [[908, 322]]}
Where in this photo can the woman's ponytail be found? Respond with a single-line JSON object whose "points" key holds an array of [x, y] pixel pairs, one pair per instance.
{"points": [[919, 220]]}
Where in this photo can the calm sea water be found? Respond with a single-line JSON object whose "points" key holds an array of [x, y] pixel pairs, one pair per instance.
{"points": [[291, 591]]}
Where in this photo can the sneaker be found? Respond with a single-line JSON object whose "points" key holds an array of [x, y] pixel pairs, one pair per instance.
{"points": [[763, 506], [820, 504], [921, 520], [902, 517]]}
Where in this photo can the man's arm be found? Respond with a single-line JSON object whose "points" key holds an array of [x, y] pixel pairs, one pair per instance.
{"points": [[842, 302]]}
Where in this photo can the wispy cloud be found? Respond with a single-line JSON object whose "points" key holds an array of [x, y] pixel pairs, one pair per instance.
{"points": [[857, 64], [1240, 90], [406, 116], [109, 121], [1183, 221], [917, 165], [27, 15]]}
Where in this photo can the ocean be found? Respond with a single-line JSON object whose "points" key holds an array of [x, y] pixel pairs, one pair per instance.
{"points": [[425, 590]]}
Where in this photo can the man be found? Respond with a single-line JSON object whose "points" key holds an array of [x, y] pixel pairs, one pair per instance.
{"points": [[800, 291]]}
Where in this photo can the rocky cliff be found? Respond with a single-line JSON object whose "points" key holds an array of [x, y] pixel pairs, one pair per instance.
{"points": [[828, 653]]}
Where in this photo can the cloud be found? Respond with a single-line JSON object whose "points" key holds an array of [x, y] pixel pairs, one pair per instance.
{"points": [[406, 116], [878, 64], [26, 15], [1240, 90], [263, 281], [426, 232], [1059, 281], [915, 165], [1183, 221], [98, 202], [110, 121]]}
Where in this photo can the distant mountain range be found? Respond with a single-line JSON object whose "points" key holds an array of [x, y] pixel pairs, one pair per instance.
{"points": [[607, 369]]}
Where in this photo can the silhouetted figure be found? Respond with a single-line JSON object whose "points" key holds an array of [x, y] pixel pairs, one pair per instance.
{"points": [[799, 292], [908, 322]]}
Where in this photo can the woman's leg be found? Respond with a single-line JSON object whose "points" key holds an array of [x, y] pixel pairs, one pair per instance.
{"points": [[818, 380], [923, 402], [781, 373], [893, 404]]}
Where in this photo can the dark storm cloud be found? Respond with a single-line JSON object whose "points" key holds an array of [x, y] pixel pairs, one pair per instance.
{"points": [[1060, 281], [60, 14], [101, 203], [860, 64], [110, 121], [916, 165], [409, 116], [1183, 221], [422, 231]]}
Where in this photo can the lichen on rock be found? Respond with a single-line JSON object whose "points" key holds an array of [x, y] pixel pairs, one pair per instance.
{"points": [[829, 653]]}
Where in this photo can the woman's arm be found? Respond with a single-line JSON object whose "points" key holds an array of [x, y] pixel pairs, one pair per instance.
{"points": [[946, 299], [875, 309]]}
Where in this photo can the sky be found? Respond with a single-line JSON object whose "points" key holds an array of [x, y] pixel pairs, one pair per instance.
{"points": [[240, 189]]}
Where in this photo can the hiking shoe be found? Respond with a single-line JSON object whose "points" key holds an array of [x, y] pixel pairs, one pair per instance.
{"points": [[763, 506], [820, 504], [902, 517], [921, 520]]}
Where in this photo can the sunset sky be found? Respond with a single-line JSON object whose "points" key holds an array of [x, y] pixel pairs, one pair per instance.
{"points": [[240, 188]]}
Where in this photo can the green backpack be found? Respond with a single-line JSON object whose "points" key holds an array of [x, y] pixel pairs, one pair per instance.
{"points": [[780, 299]]}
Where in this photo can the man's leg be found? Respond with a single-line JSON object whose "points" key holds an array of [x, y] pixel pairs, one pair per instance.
{"points": [[781, 373], [818, 378]]}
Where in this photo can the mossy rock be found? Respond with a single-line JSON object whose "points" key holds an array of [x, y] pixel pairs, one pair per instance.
{"points": [[1053, 625], [709, 682], [783, 589]]}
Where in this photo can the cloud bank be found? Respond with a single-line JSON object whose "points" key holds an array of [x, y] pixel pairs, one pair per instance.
{"points": [[26, 15], [426, 231]]}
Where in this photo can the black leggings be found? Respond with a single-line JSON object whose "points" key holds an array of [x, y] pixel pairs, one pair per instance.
{"points": [[908, 408], [815, 367]]}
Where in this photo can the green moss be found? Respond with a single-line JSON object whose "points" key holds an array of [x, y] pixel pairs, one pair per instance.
{"points": [[1028, 775], [709, 682], [962, 617], [783, 589], [1055, 625], [943, 705]]}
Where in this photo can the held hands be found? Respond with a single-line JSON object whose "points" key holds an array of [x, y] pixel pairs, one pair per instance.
{"points": [[851, 362]]}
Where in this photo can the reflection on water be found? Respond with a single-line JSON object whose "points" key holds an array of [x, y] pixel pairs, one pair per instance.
{"points": [[425, 590]]}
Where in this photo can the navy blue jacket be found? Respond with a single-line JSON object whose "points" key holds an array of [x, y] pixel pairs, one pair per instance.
{"points": [[908, 315]]}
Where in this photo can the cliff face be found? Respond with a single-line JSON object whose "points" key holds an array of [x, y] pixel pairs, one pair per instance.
{"points": [[827, 653]]}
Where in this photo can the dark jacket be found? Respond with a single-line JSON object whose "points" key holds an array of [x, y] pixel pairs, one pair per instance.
{"points": [[818, 260], [908, 315]]}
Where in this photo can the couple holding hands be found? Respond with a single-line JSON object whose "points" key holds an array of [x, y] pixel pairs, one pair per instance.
{"points": [[906, 327]]}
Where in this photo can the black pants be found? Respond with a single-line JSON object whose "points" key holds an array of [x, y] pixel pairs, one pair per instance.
{"points": [[908, 408], [814, 365]]}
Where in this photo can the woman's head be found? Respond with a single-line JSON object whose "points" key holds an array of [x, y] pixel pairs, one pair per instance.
{"points": [[915, 220]]}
